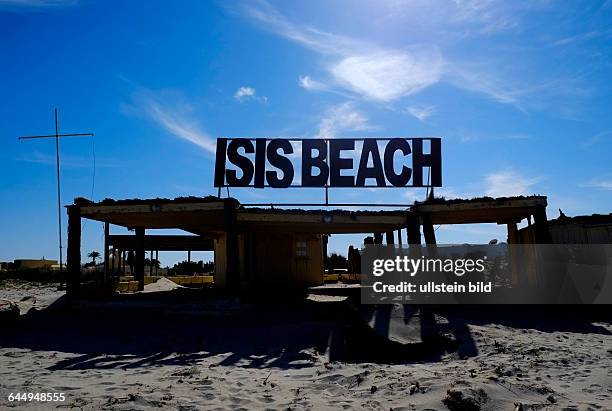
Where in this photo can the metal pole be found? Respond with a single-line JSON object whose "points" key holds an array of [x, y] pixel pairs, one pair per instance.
{"points": [[59, 198]]}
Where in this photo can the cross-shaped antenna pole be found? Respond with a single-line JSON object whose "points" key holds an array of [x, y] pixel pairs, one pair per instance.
{"points": [[57, 136]]}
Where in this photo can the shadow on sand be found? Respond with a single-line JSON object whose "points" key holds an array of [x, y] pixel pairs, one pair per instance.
{"points": [[183, 328]]}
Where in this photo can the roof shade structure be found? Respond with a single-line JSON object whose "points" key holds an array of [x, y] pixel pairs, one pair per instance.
{"points": [[207, 216], [501, 210], [225, 219]]}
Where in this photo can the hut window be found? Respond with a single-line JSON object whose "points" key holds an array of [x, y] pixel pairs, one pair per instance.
{"points": [[301, 249]]}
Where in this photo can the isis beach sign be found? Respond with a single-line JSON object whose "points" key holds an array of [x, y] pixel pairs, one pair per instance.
{"points": [[342, 162]]}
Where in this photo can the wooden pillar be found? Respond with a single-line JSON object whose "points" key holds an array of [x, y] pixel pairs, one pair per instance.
{"points": [[378, 238], [139, 254], [428, 230], [113, 263], [73, 260], [512, 233], [542, 234], [399, 237], [325, 240], [188, 256], [413, 236], [413, 230], [151, 264], [513, 239], [390, 239], [157, 263], [106, 252], [232, 254]]}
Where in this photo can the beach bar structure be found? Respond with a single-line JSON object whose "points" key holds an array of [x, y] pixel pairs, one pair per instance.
{"points": [[276, 247]]}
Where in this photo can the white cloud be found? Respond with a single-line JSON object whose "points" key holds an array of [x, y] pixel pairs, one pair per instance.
{"points": [[307, 83], [341, 118], [167, 110], [508, 183], [245, 93], [374, 72], [386, 75], [421, 112]]}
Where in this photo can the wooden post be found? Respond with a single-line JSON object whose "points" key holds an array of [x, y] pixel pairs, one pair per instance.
{"points": [[232, 254], [325, 240], [514, 261], [542, 234], [151, 264], [378, 238], [428, 230], [73, 261], [139, 258], [413, 230], [113, 263], [390, 239], [413, 235], [188, 256], [157, 262], [106, 252], [399, 237]]}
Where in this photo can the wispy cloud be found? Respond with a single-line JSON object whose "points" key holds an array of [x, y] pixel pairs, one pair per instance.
{"points": [[371, 71], [508, 183], [168, 110], [596, 138], [35, 5], [601, 184], [421, 112], [342, 118], [386, 73], [68, 161], [246, 93]]}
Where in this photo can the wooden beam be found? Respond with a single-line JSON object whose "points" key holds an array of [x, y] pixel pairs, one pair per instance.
{"points": [[165, 242], [149, 208]]}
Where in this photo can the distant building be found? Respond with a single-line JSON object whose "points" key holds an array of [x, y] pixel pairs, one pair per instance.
{"points": [[31, 264]]}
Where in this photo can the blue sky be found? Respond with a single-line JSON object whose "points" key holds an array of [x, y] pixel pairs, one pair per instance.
{"points": [[520, 92]]}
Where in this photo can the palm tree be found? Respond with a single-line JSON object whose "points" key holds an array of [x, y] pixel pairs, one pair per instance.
{"points": [[93, 255]]}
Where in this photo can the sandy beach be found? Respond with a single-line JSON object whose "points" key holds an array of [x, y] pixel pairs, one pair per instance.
{"points": [[228, 355]]}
